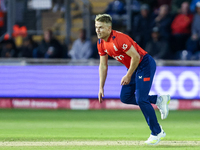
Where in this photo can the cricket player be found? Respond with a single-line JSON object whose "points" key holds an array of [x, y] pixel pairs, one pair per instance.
{"points": [[136, 83]]}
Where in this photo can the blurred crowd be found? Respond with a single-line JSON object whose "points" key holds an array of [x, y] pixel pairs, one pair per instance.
{"points": [[166, 29]]}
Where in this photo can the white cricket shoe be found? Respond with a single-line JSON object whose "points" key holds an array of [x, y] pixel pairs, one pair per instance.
{"points": [[163, 105], [153, 140]]}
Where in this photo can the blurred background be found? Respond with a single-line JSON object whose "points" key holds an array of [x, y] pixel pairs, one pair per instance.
{"points": [[49, 56]]}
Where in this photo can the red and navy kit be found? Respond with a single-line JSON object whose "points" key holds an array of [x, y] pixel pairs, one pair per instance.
{"points": [[137, 91], [117, 45]]}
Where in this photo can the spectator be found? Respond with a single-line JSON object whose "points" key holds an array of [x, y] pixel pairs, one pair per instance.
{"points": [[115, 7], [2, 23], [196, 21], [81, 48], [163, 2], [151, 3], [27, 47], [141, 28], [3, 17], [163, 20], [117, 10], [158, 48], [135, 6], [3, 5], [193, 43], [176, 5], [9, 49], [49, 47], [181, 28], [58, 6], [193, 5]]}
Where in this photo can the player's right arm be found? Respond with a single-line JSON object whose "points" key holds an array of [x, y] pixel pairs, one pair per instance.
{"points": [[103, 67]]}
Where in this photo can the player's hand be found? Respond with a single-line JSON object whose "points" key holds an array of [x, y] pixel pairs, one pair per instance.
{"points": [[100, 95], [125, 80]]}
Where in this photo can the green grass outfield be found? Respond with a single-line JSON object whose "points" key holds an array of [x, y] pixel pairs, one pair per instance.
{"points": [[94, 130]]}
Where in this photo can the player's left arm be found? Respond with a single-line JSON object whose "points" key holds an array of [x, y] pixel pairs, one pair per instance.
{"points": [[135, 59]]}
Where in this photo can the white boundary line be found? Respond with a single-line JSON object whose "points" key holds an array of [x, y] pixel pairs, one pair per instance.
{"points": [[98, 143]]}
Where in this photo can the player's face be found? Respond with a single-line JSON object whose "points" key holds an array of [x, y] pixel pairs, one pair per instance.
{"points": [[103, 30]]}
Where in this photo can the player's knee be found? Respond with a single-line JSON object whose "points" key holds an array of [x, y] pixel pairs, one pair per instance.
{"points": [[123, 99], [141, 99]]}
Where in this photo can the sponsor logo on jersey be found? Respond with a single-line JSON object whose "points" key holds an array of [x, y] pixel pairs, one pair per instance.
{"points": [[118, 57], [115, 47], [124, 46]]}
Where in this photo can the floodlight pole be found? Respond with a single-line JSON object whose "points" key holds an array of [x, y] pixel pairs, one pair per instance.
{"points": [[38, 21], [10, 16], [68, 20], [87, 18], [128, 8]]}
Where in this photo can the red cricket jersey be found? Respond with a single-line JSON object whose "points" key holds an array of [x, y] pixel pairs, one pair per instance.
{"points": [[117, 45]]}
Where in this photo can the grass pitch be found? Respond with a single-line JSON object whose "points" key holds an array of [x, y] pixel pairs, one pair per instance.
{"points": [[94, 130]]}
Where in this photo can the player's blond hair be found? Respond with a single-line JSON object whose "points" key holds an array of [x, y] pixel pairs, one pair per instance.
{"points": [[104, 18]]}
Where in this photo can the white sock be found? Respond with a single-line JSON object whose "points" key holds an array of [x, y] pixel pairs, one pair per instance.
{"points": [[159, 100]]}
